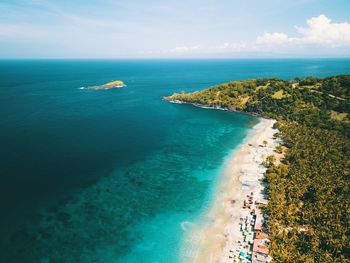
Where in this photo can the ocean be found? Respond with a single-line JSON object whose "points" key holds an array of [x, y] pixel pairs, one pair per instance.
{"points": [[116, 175]]}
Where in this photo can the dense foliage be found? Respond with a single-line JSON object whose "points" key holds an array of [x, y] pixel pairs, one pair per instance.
{"points": [[309, 192]]}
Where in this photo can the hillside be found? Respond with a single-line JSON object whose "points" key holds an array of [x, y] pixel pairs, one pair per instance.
{"points": [[308, 210]]}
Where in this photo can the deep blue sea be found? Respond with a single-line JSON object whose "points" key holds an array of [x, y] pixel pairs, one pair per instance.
{"points": [[110, 175]]}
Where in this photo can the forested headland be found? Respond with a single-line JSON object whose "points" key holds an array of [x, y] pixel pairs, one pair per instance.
{"points": [[309, 191]]}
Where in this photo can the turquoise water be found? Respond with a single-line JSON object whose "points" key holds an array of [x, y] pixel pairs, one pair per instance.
{"points": [[111, 175]]}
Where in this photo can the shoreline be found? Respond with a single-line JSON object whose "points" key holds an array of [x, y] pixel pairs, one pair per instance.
{"points": [[203, 106], [216, 239]]}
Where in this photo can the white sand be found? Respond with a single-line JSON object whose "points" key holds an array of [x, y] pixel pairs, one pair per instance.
{"points": [[217, 240]]}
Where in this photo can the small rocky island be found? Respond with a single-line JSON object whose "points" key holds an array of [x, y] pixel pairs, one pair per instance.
{"points": [[110, 85]]}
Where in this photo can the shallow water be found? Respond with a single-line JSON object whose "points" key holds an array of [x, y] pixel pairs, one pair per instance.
{"points": [[112, 175]]}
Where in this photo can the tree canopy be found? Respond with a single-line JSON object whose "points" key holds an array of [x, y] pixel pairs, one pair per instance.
{"points": [[309, 191]]}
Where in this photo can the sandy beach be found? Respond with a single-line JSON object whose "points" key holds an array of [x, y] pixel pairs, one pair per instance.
{"points": [[219, 239]]}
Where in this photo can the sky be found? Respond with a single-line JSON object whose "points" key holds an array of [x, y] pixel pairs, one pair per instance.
{"points": [[174, 28]]}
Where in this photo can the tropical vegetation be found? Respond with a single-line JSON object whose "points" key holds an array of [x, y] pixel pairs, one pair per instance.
{"points": [[309, 191]]}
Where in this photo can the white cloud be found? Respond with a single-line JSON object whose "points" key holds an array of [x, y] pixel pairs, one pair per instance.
{"points": [[320, 37], [9, 30], [23, 31], [320, 32], [272, 38], [185, 49], [206, 49], [201, 50]]}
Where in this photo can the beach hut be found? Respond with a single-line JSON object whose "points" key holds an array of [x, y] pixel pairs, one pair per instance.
{"points": [[258, 258], [261, 235], [260, 246], [258, 222]]}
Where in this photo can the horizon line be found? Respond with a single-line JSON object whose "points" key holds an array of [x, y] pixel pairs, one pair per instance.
{"points": [[175, 58]]}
